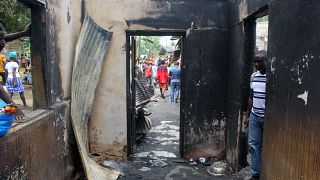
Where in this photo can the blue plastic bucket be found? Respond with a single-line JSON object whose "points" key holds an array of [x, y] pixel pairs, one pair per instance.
{"points": [[5, 121]]}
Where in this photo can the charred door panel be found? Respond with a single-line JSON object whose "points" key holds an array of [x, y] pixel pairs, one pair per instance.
{"points": [[205, 90]]}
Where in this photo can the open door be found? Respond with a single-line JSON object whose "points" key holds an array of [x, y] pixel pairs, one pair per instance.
{"points": [[204, 91], [131, 61]]}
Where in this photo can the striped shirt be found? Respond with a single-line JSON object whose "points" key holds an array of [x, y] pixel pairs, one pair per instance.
{"points": [[258, 86]]}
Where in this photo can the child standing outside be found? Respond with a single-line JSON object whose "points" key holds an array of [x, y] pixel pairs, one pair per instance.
{"points": [[148, 73], [13, 83]]}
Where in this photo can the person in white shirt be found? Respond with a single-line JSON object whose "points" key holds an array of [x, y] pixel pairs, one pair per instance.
{"points": [[154, 74], [13, 83]]}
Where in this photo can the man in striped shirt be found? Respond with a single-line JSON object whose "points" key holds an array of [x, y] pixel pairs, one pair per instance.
{"points": [[255, 112]]}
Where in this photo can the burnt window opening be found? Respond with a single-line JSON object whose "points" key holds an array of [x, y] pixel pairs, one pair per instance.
{"points": [[32, 66], [256, 39], [262, 25], [144, 49]]}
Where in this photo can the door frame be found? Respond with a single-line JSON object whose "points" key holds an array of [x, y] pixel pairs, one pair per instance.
{"points": [[129, 91], [249, 25]]}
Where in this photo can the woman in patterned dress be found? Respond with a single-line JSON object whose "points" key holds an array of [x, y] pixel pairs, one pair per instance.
{"points": [[13, 83]]}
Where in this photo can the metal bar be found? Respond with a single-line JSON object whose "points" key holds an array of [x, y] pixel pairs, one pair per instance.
{"points": [[128, 90], [182, 98]]}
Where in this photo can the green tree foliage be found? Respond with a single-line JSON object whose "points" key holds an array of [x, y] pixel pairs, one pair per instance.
{"points": [[14, 16], [263, 19], [149, 45]]}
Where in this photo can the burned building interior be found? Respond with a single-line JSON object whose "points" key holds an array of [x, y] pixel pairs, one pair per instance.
{"points": [[79, 111]]}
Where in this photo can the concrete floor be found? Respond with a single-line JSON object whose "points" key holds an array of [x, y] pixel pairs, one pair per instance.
{"points": [[157, 155]]}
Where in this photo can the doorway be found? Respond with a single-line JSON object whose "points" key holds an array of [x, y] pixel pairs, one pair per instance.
{"points": [[256, 39], [31, 51], [154, 122]]}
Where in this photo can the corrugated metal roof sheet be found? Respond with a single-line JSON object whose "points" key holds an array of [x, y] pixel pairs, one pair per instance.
{"points": [[90, 51]]}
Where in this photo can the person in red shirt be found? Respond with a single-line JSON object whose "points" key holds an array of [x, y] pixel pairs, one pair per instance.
{"points": [[162, 77], [148, 73]]}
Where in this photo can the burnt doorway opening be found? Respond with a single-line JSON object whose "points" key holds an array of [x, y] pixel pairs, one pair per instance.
{"points": [[30, 50], [154, 122], [256, 39], [18, 51]]}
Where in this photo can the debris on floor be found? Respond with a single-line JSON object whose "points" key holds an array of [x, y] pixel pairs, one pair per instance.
{"points": [[145, 169], [219, 168], [156, 161], [157, 155], [112, 164]]}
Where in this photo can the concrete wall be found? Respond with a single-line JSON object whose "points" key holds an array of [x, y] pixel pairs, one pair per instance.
{"points": [[238, 69], [42, 148], [65, 23], [206, 47], [291, 148]]}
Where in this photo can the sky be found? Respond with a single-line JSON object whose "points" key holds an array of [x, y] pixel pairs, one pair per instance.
{"points": [[165, 40]]}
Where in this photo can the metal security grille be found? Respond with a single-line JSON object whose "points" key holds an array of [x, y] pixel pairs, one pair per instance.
{"points": [[143, 91]]}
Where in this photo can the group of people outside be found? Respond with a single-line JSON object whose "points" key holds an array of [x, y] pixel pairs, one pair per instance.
{"points": [[164, 76], [23, 62], [10, 71]]}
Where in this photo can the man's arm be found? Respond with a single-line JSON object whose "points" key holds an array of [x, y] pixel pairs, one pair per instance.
{"points": [[250, 102], [5, 97], [17, 35]]}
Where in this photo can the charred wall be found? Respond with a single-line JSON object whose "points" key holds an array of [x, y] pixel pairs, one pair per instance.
{"points": [[41, 148], [239, 68], [205, 23], [291, 148], [291, 136], [204, 71]]}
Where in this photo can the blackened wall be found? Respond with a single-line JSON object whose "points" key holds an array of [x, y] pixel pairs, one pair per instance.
{"points": [[238, 69], [291, 148], [42, 148], [204, 69]]}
